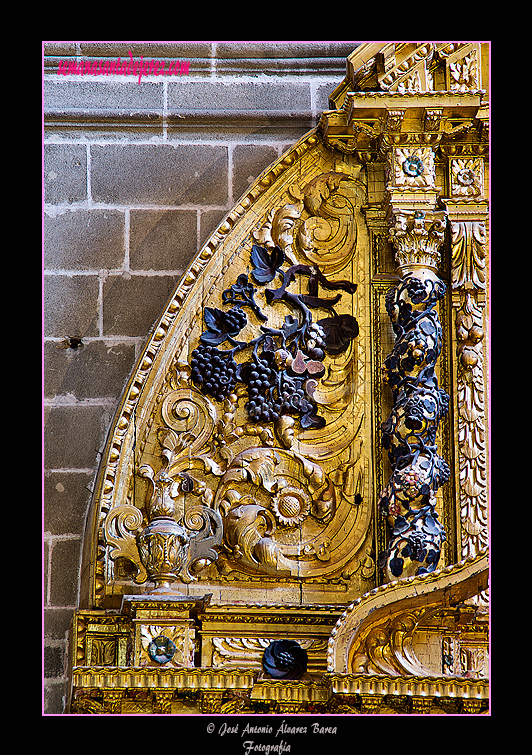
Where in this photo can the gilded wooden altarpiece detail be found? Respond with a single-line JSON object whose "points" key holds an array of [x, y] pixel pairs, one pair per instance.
{"points": [[305, 432]]}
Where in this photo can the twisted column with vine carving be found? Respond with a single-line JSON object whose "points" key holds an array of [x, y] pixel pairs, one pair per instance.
{"points": [[409, 434]]}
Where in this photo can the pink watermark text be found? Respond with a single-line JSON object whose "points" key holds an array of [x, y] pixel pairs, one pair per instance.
{"points": [[129, 67]]}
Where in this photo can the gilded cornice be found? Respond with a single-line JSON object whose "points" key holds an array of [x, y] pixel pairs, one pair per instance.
{"points": [[312, 615], [290, 691], [239, 691], [398, 93], [435, 687], [371, 123]]}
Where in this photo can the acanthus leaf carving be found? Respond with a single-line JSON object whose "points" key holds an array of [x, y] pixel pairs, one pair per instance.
{"points": [[468, 241], [469, 281]]}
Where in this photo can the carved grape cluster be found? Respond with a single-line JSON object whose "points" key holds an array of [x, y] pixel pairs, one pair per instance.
{"points": [[262, 405], [316, 343], [285, 363], [409, 433], [272, 390], [215, 372]]}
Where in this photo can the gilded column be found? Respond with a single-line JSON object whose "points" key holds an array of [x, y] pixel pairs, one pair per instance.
{"points": [[416, 230]]}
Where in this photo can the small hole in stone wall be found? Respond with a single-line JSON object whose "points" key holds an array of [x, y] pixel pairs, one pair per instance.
{"points": [[71, 342]]}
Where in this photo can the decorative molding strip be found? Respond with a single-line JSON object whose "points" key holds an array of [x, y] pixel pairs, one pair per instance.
{"points": [[468, 248], [142, 677], [155, 118], [363, 684]]}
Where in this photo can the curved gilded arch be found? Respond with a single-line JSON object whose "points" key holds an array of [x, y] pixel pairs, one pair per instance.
{"points": [[373, 635], [292, 256]]}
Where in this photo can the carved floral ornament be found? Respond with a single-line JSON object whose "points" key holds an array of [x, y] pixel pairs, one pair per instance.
{"points": [[246, 478], [243, 448]]}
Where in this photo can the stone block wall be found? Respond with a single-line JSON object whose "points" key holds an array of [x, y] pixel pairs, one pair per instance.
{"points": [[136, 178]]}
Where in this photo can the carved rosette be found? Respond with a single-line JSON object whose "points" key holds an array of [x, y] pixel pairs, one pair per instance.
{"points": [[409, 433]]}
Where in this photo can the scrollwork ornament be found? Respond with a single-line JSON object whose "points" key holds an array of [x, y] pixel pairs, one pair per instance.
{"points": [[120, 527], [247, 351], [165, 550], [256, 379]]}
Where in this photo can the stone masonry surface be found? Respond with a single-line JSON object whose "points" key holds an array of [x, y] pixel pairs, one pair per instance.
{"points": [[136, 178]]}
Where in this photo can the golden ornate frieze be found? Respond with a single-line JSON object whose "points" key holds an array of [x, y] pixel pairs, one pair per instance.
{"points": [[298, 466], [468, 214]]}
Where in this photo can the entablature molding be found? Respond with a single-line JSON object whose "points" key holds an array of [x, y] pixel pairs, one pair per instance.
{"points": [[372, 124], [405, 67]]}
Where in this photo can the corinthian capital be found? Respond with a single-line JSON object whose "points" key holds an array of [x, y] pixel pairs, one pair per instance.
{"points": [[417, 236]]}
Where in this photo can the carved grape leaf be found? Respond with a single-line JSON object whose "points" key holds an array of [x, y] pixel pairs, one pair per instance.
{"points": [[219, 327], [339, 330], [265, 263]]}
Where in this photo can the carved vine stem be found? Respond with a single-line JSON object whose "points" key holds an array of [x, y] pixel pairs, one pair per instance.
{"points": [[409, 433]]}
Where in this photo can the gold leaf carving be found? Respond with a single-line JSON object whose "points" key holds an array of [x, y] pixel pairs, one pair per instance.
{"points": [[282, 512], [468, 241], [328, 237], [120, 528]]}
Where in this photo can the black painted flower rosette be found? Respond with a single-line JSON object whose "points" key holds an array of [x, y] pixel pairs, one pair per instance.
{"points": [[285, 659]]}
